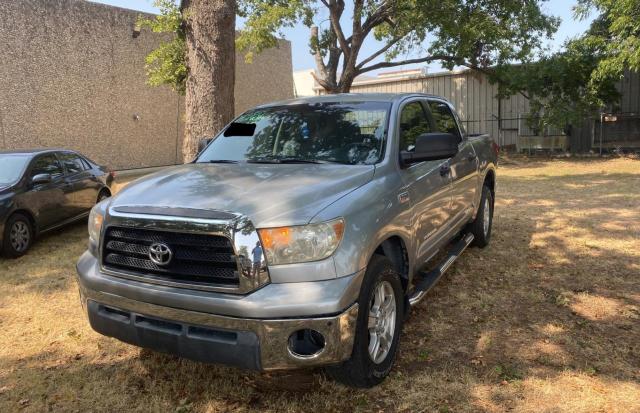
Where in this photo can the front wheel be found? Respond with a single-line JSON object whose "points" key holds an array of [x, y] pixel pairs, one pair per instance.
{"points": [[380, 317], [18, 236]]}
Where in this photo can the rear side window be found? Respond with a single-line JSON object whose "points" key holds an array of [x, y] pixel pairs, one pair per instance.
{"points": [[443, 118], [413, 123], [86, 163], [46, 164], [72, 163]]}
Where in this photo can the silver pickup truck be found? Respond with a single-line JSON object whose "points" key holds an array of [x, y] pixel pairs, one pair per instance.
{"points": [[300, 236]]}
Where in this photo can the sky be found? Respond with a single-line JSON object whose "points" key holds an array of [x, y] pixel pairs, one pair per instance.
{"points": [[299, 35]]}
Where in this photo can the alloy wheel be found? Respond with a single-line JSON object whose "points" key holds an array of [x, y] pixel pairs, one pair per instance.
{"points": [[382, 322], [20, 236], [486, 219]]}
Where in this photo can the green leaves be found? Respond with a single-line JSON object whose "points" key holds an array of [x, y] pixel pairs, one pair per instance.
{"points": [[265, 21], [166, 65], [579, 81], [474, 33]]}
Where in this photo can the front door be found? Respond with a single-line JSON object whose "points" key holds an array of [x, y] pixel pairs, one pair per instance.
{"points": [[464, 166], [427, 184]]}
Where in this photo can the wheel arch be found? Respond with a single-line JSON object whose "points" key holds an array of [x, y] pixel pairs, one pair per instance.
{"points": [[395, 249], [490, 180], [105, 189], [30, 216]]}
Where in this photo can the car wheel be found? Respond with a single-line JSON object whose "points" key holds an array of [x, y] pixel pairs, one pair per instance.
{"points": [[481, 226], [104, 194], [380, 317], [18, 236]]}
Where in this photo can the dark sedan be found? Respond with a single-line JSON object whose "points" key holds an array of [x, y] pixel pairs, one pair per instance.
{"points": [[44, 189]]}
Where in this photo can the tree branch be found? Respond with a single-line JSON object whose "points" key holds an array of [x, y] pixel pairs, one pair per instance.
{"points": [[336, 7], [322, 68], [383, 65], [377, 17], [357, 17], [326, 85], [379, 52]]}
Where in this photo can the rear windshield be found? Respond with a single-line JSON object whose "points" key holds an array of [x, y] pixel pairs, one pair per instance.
{"points": [[349, 133], [12, 168]]}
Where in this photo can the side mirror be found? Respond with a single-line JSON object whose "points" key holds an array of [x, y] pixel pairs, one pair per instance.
{"points": [[431, 147], [41, 179], [202, 143]]}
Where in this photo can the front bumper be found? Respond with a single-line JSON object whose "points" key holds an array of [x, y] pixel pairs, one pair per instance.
{"points": [[118, 308]]}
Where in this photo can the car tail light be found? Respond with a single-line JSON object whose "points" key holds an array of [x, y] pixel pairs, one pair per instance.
{"points": [[495, 147]]}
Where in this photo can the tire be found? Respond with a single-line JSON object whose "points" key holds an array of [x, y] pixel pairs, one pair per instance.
{"points": [[361, 370], [481, 226], [18, 236], [104, 194]]}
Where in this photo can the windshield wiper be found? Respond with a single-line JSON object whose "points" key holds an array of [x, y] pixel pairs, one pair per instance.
{"points": [[222, 161], [285, 160]]}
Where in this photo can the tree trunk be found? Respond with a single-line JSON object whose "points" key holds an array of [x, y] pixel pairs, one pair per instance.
{"points": [[209, 98]]}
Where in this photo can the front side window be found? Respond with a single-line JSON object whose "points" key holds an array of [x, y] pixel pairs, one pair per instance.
{"points": [[12, 168], [443, 118], [413, 123], [46, 164], [349, 133], [72, 163]]}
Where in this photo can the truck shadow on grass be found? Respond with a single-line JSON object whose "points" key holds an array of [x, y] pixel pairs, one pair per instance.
{"points": [[551, 307], [545, 319]]}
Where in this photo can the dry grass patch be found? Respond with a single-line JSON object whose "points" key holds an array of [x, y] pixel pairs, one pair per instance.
{"points": [[543, 320]]}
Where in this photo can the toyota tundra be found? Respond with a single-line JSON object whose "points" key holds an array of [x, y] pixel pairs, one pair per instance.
{"points": [[300, 236]]}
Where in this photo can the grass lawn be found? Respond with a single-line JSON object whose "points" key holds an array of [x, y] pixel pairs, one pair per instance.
{"points": [[546, 319]]}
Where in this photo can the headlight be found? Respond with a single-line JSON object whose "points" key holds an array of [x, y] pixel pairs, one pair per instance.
{"points": [[96, 218], [304, 243]]}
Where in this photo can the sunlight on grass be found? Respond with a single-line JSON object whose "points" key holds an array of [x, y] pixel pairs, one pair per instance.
{"points": [[546, 319]]}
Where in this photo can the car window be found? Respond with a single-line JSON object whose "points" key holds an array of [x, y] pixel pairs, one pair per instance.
{"points": [[443, 118], [72, 163], [46, 164], [13, 167], [413, 122], [86, 164], [352, 133]]}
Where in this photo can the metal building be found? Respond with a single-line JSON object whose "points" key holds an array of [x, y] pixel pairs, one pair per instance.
{"points": [[505, 119]]}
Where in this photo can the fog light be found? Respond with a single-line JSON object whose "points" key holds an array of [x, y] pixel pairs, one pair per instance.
{"points": [[306, 343]]}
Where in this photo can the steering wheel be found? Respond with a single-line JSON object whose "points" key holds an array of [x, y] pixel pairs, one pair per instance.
{"points": [[358, 151], [360, 146]]}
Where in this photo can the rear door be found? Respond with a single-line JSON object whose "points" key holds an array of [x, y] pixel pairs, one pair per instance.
{"points": [[426, 184], [50, 201], [85, 185], [464, 166]]}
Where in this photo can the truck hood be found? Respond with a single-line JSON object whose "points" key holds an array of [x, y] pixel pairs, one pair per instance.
{"points": [[269, 194]]}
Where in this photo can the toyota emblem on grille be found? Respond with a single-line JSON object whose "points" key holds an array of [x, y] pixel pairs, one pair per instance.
{"points": [[160, 253]]}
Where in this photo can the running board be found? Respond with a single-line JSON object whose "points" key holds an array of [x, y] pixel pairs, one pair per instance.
{"points": [[429, 279]]}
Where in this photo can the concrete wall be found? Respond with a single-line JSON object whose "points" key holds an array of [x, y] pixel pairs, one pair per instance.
{"points": [[72, 75]]}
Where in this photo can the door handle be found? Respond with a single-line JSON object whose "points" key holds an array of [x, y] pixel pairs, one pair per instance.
{"points": [[445, 170]]}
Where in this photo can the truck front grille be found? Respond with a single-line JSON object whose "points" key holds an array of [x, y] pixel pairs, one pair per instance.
{"points": [[197, 258]]}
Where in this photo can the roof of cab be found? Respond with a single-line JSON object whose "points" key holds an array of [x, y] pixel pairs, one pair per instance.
{"points": [[347, 98]]}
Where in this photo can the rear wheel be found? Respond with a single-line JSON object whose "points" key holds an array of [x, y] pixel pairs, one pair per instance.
{"points": [[17, 237], [380, 316], [481, 226]]}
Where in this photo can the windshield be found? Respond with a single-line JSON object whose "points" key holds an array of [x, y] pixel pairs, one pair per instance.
{"points": [[349, 133], [12, 168]]}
